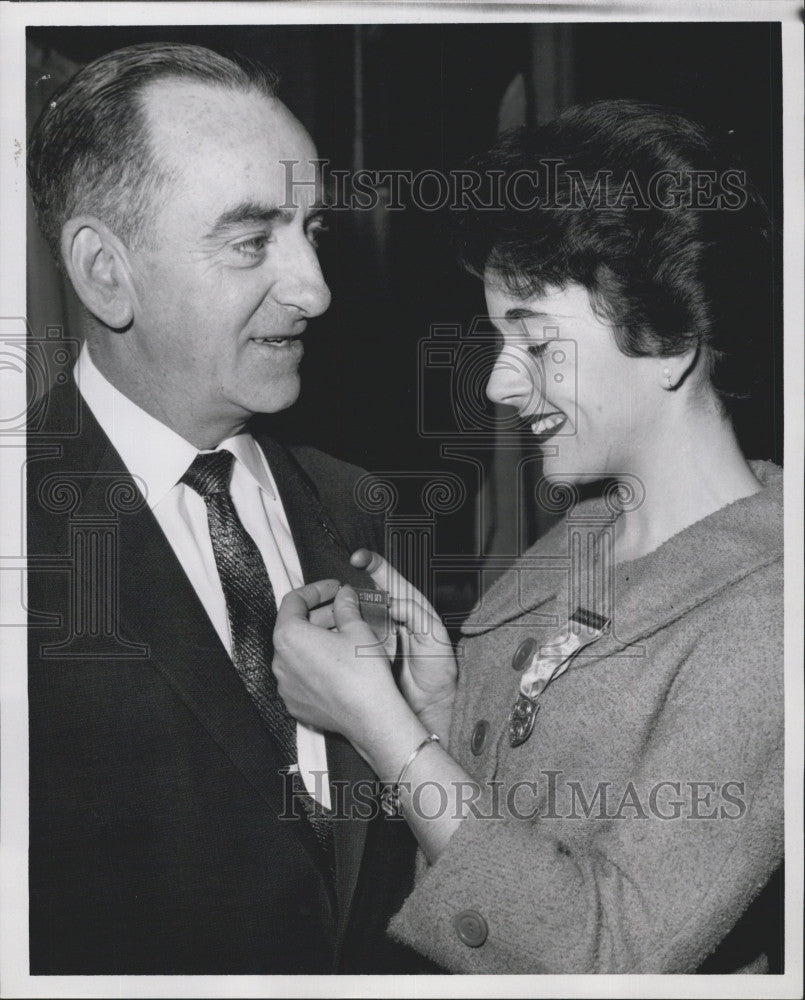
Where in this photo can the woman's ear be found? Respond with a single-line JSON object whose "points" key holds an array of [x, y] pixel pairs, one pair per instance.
{"points": [[675, 371], [97, 264]]}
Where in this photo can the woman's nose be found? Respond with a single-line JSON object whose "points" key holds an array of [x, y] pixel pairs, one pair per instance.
{"points": [[515, 380]]}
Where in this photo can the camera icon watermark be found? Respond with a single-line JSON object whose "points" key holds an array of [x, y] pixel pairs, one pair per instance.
{"points": [[43, 362], [459, 369]]}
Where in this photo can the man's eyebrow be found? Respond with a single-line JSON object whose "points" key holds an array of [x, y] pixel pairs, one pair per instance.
{"points": [[249, 212]]}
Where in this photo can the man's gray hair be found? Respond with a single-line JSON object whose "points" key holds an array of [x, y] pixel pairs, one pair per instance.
{"points": [[90, 150]]}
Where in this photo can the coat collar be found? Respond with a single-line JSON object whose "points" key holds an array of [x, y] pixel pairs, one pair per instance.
{"points": [[695, 564]]}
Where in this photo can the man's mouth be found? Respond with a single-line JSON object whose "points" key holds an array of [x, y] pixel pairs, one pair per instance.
{"points": [[277, 341], [548, 423]]}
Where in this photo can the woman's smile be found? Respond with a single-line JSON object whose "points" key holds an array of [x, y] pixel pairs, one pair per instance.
{"points": [[548, 424]]}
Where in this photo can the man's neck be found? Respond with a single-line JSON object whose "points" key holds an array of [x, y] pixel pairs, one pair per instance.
{"points": [[176, 408]]}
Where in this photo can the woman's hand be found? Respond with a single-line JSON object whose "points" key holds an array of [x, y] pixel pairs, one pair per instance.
{"points": [[342, 681], [429, 672], [337, 680]]}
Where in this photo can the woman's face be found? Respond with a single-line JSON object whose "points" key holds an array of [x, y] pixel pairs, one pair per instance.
{"points": [[594, 411]]}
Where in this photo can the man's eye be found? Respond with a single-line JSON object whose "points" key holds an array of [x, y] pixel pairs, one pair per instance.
{"points": [[315, 231], [251, 248]]}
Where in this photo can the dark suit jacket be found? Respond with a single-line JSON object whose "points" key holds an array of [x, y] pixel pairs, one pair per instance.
{"points": [[155, 839]]}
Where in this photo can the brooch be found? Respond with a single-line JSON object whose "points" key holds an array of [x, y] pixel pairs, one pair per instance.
{"points": [[547, 663]]}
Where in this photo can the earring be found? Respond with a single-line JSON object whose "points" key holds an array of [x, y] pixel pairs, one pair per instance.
{"points": [[667, 373]]}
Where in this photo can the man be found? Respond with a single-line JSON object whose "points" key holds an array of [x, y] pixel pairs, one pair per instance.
{"points": [[162, 761]]}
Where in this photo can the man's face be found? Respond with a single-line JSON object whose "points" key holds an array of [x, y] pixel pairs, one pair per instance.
{"points": [[231, 277]]}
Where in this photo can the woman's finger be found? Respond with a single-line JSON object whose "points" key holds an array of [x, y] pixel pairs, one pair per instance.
{"points": [[323, 617], [419, 619], [300, 602], [387, 578], [347, 610]]}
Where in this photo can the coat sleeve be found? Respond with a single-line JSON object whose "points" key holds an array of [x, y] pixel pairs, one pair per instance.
{"points": [[631, 894]]}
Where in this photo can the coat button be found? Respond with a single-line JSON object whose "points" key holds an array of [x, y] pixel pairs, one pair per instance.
{"points": [[523, 654], [479, 736], [471, 928]]}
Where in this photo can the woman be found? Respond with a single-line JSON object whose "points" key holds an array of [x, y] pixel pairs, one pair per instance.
{"points": [[614, 802]]}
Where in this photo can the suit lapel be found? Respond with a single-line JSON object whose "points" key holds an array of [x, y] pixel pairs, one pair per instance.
{"points": [[159, 608], [323, 554]]}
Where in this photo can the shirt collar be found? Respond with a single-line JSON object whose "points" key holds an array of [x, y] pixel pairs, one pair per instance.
{"points": [[249, 453], [150, 450]]}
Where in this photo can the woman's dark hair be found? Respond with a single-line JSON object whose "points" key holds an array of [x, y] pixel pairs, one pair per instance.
{"points": [[649, 212]]}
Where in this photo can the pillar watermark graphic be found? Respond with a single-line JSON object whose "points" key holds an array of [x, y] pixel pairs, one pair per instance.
{"points": [[82, 558], [93, 504], [410, 528], [37, 363]]}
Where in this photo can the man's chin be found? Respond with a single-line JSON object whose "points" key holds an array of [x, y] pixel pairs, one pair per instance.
{"points": [[276, 398]]}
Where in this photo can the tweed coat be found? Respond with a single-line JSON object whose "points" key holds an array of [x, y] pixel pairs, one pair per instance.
{"points": [[649, 813]]}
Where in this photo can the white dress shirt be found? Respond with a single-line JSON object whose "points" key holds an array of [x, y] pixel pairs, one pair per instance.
{"points": [[158, 457]]}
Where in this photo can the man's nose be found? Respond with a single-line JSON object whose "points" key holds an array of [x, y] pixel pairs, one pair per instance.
{"points": [[301, 284], [516, 379]]}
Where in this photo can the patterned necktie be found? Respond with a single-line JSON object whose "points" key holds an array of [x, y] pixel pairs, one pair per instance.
{"points": [[252, 610]]}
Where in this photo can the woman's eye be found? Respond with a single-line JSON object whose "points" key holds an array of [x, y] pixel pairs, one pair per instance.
{"points": [[537, 350]]}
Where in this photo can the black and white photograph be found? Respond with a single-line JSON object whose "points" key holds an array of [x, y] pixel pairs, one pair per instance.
{"points": [[401, 490]]}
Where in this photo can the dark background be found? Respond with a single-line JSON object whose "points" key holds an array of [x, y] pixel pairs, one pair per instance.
{"points": [[424, 96]]}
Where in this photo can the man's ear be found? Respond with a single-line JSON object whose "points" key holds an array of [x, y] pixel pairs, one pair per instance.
{"points": [[97, 264]]}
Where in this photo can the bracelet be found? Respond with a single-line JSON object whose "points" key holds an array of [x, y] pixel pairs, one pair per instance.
{"points": [[390, 796]]}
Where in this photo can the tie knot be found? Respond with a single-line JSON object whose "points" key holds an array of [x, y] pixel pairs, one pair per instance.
{"points": [[210, 473]]}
